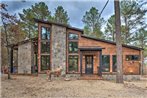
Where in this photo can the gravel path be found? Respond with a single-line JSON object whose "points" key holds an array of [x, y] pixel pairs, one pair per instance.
{"points": [[36, 87]]}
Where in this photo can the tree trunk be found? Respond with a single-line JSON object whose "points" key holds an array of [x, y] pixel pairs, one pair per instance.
{"points": [[5, 28], [119, 76]]}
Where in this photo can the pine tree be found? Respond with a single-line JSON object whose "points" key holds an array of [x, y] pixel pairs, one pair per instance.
{"points": [[61, 15]]}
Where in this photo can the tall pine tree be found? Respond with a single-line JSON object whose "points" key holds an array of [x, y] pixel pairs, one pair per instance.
{"points": [[93, 23], [61, 15], [38, 11]]}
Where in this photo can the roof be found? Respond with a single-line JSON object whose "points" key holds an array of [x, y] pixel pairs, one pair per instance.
{"points": [[111, 42], [90, 48], [59, 24], [22, 42]]}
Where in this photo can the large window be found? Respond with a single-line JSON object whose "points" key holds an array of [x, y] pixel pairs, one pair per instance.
{"points": [[114, 66], [105, 63], [45, 62], [73, 63], [72, 36], [45, 48], [73, 52], [132, 57], [73, 47], [45, 33]]}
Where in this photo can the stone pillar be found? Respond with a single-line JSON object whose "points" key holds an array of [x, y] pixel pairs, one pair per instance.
{"points": [[25, 58], [58, 48]]}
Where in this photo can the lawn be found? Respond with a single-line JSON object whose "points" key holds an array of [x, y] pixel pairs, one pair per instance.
{"points": [[39, 87]]}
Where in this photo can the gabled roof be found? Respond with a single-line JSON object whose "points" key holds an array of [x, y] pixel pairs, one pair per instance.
{"points": [[111, 42], [59, 24]]}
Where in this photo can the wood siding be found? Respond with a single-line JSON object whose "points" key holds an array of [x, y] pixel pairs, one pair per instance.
{"points": [[129, 67]]}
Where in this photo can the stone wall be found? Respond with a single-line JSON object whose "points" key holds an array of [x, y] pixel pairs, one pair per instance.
{"points": [[25, 58], [58, 49], [125, 77]]}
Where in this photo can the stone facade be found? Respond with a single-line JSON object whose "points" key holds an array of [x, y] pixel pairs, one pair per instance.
{"points": [[58, 49], [25, 58], [125, 77]]}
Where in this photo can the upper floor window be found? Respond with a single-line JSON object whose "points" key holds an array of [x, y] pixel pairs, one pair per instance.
{"points": [[132, 57], [45, 33], [73, 47], [45, 47], [72, 36]]}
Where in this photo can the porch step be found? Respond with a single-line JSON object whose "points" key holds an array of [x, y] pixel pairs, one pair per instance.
{"points": [[91, 77]]}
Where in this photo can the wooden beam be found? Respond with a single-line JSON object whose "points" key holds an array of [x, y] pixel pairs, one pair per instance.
{"points": [[81, 57], [100, 64], [11, 59]]}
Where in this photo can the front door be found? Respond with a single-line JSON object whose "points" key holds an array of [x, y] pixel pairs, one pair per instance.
{"points": [[89, 64]]}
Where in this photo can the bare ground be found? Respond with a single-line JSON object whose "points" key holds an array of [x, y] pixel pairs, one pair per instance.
{"points": [[39, 87]]}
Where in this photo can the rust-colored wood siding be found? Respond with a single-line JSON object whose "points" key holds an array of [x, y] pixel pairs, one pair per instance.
{"points": [[129, 67]]}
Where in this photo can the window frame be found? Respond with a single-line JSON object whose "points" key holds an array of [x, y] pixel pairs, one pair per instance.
{"points": [[109, 63], [72, 57], [48, 67], [45, 53], [73, 39], [72, 53], [132, 57], [71, 47], [49, 29], [113, 63]]}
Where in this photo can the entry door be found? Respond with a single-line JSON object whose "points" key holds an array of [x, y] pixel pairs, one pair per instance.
{"points": [[89, 64]]}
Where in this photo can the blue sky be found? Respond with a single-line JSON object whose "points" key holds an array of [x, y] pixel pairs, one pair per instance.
{"points": [[75, 8]]}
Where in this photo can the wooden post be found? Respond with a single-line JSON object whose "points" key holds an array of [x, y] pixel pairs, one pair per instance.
{"points": [[141, 63], [11, 59], [119, 76], [39, 48], [100, 64], [111, 63], [81, 57]]}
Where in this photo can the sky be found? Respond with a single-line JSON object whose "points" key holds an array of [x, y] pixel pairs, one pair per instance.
{"points": [[75, 8]]}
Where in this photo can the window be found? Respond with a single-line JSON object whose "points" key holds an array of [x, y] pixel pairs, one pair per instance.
{"points": [[73, 36], [45, 62], [114, 66], [105, 63], [45, 47], [132, 57], [73, 47], [73, 64], [45, 33]]}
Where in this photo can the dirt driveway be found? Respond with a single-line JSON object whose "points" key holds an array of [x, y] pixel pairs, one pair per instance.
{"points": [[37, 87]]}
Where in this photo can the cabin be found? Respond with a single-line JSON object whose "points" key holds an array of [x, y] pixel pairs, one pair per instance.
{"points": [[77, 54]]}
